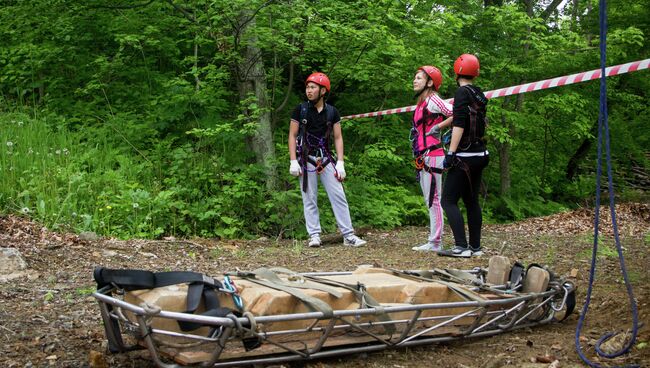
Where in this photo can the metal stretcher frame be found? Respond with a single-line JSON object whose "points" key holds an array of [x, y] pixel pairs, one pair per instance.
{"points": [[515, 311]]}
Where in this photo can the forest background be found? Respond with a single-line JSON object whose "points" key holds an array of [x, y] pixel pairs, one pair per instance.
{"points": [[152, 118]]}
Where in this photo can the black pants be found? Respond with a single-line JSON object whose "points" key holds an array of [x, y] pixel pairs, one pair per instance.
{"points": [[464, 181]]}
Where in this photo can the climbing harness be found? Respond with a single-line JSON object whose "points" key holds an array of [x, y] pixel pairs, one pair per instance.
{"points": [[425, 123], [603, 134], [477, 120], [311, 149]]}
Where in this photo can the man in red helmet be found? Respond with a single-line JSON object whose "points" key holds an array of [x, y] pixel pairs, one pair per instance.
{"points": [[312, 124], [428, 120], [466, 158]]}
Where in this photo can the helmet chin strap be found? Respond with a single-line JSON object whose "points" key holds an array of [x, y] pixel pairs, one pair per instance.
{"points": [[426, 86], [420, 92], [320, 96]]}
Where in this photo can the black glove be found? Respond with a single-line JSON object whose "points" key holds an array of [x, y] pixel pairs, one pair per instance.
{"points": [[450, 160]]}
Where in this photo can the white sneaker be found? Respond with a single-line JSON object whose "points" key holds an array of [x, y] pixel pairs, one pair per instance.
{"points": [[461, 252], [428, 247], [476, 252], [314, 241], [353, 241]]}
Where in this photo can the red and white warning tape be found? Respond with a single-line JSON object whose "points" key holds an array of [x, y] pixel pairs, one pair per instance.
{"points": [[534, 86]]}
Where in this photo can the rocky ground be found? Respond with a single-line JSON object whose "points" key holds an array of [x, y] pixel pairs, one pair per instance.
{"points": [[48, 318]]}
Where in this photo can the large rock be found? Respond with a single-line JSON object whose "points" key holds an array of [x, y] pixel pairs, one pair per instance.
{"points": [[12, 265], [11, 261]]}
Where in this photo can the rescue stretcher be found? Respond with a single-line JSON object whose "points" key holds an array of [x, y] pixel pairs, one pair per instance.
{"points": [[276, 315]]}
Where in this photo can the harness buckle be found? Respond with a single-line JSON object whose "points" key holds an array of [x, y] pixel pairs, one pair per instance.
{"points": [[419, 162], [319, 165]]}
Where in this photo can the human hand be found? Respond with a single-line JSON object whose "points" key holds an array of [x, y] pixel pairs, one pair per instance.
{"points": [[435, 130], [340, 170], [450, 160], [294, 168]]}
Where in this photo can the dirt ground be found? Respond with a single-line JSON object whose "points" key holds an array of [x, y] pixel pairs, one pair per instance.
{"points": [[51, 319]]}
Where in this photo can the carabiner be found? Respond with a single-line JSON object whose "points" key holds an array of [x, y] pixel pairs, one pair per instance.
{"points": [[419, 162], [229, 284]]}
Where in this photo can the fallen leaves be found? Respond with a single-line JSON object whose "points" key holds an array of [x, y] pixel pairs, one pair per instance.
{"points": [[633, 219]]}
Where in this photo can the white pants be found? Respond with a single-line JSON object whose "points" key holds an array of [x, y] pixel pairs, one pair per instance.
{"points": [[336, 195], [436, 220]]}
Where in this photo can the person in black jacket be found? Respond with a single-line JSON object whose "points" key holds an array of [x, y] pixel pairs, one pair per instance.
{"points": [[465, 160], [312, 124]]}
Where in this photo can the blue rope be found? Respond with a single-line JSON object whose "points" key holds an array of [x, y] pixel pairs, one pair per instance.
{"points": [[603, 130]]}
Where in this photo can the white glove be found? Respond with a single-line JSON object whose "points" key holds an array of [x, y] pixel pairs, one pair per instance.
{"points": [[435, 130], [294, 168], [340, 170]]}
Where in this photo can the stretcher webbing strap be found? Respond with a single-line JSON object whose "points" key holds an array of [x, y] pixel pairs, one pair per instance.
{"points": [[363, 297], [295, 280], [268, 278], [427, 276], [462, 276], [359, 291]]}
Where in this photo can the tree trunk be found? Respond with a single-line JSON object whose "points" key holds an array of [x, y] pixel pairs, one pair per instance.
{"points": [[251, 79], [580, 153]]}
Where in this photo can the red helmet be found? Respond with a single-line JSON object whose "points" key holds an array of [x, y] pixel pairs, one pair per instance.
{"points": [[434, 74], [467, 64], [320, 79]]}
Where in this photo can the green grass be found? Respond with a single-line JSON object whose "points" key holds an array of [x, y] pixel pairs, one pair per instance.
{"points": [[216, 252], [603, 251], [241, 253], [551, 255], [297, 247], [52, 175]]}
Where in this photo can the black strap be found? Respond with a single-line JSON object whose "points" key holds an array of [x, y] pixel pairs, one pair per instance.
{"points": [[432, 189], [570, 304], [516, 275], [429, 148], [476, 107], [201, 287]]}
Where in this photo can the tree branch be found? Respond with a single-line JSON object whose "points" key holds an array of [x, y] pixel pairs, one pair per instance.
{"points": [[189, 16], [549, 9], [289, 84]]}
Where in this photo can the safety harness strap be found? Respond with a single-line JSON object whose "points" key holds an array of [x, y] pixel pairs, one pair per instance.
{"points": [[304, 145], [476, 108]]}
